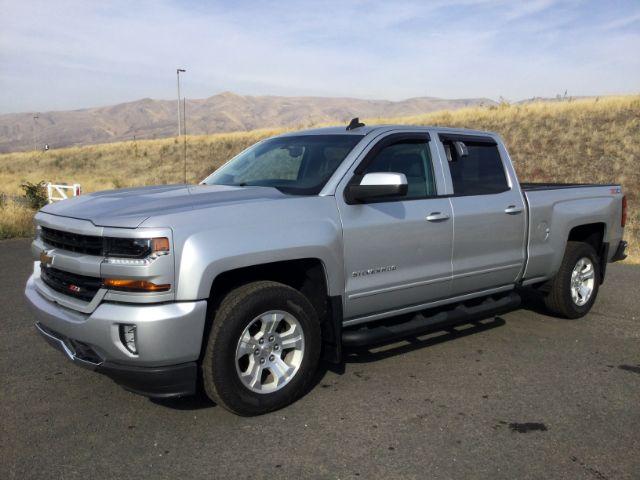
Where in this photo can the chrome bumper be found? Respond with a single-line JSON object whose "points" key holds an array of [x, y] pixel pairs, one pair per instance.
{"points": [[167, 333]]}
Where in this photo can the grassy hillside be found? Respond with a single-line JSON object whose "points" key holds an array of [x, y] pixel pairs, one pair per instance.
{"points": [[225, 112], [593, 140]]}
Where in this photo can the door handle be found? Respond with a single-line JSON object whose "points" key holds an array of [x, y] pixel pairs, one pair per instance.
{"points": [[512, 210], [437, 217]]}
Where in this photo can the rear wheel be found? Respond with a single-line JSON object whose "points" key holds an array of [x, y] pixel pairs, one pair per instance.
{"points": [[575, 287], [263, 348]]}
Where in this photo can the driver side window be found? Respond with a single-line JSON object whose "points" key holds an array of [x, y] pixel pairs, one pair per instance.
{"points": [[411, 158]]}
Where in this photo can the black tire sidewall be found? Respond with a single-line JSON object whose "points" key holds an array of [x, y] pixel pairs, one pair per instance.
{"points": [[229, 387]]}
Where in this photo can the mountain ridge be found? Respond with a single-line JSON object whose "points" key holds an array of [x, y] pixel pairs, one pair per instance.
{"points": [[149, 118]]}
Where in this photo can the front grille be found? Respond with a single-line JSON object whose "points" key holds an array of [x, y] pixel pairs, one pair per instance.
{"points": [[74, 242], [97, 246], [78, 286]]}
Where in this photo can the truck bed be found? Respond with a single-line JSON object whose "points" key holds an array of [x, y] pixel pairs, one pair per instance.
{"points": [[555, 208]]}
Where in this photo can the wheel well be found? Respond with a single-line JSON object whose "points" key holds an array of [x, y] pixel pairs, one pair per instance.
{"points": [[593, 234], [305, 275]]}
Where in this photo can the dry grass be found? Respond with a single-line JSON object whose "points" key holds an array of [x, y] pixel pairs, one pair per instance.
{"points": [[15, 220], [594, 140], [125, 164]]}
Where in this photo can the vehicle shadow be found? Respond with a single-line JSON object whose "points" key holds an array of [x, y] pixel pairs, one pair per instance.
{"points": [[199, 401], [533, 301], [431, 337]]}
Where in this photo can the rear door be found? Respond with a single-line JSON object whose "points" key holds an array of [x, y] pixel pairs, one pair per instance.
{"points": [[397, 251], [489, 215]]}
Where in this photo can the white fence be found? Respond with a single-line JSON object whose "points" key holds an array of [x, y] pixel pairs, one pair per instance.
{"points": [[55, 193]]}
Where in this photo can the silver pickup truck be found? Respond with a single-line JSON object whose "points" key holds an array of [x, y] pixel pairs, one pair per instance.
{"points": [[306, 243]]}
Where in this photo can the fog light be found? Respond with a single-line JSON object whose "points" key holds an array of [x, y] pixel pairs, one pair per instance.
{"points": [[128, 337]]}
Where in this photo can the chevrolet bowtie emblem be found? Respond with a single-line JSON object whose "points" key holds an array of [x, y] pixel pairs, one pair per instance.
{"points": [[45, 258]]}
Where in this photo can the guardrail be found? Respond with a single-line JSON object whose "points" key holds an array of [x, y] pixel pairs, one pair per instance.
{"points": [[55, 193]]}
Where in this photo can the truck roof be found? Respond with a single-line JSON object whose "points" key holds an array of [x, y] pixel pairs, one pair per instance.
{"points": [[367, 129]]}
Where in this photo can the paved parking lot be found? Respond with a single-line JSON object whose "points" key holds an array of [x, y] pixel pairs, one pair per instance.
{"points": [[519, 396]]}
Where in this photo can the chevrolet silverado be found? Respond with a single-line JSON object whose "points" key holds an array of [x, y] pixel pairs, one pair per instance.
{"points": [[306, 243]]}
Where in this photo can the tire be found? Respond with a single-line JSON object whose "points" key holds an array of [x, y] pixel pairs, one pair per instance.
{"points": [[560, 301], [245, 386]]}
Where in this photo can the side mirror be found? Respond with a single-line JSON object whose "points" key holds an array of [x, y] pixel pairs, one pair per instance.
{"points": [[461, 149], [377, 185]]}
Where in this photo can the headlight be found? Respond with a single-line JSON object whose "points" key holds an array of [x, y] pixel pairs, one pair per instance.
{"points": [[135, 251], [136, 247]]}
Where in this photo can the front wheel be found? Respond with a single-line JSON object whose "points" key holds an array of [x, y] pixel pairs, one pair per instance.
{"points": [[575, 287], [263, 348]]}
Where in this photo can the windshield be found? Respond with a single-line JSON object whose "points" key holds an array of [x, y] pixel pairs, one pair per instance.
{"points": [[298, 165]]}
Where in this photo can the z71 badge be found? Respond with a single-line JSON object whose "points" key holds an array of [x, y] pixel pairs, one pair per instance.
{"points": [[373, 271]]}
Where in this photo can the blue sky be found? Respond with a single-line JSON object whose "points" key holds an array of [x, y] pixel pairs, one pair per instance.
{"points": [[67, 54]]}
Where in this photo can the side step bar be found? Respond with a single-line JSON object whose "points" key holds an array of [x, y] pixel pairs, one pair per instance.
{"points": [[424, 321]]}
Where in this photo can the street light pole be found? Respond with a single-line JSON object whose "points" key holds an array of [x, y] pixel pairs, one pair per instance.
{"points": [[178, 71], [35, 135], [184, 126]]}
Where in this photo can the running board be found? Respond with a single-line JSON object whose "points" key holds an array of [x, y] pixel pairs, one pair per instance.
{"points": [[422, 322]]}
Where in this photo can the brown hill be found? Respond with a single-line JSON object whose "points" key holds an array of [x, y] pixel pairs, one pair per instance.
{"points": [[226, 112]]}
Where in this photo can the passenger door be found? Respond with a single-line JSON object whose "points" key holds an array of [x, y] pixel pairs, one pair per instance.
{"points": [[489, 216], [397, 251]]}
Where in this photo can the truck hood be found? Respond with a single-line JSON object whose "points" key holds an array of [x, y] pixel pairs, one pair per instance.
{"points": [[128, 208]]}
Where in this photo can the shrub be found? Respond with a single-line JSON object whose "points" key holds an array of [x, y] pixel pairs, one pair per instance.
{"points": [[36, 194]]}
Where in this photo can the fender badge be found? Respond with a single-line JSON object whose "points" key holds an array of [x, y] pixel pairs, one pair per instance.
{"points": [[373, 271]]}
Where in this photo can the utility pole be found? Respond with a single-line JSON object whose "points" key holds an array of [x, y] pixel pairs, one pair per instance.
{"points": [[35, 134], [178, 71], [184, 126]]}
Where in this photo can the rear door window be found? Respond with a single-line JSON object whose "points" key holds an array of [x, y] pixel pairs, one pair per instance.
{"points": [[481, 172]]}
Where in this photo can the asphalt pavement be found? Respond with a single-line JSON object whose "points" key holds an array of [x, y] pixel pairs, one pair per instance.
{"points": [[523, 395]]}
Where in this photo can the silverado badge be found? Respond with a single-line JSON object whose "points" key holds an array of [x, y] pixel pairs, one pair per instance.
{"points": [[373, 271]]}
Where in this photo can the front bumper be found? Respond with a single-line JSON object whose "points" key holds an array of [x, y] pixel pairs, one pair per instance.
{"points": [[169, 339], [157, 382]]}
